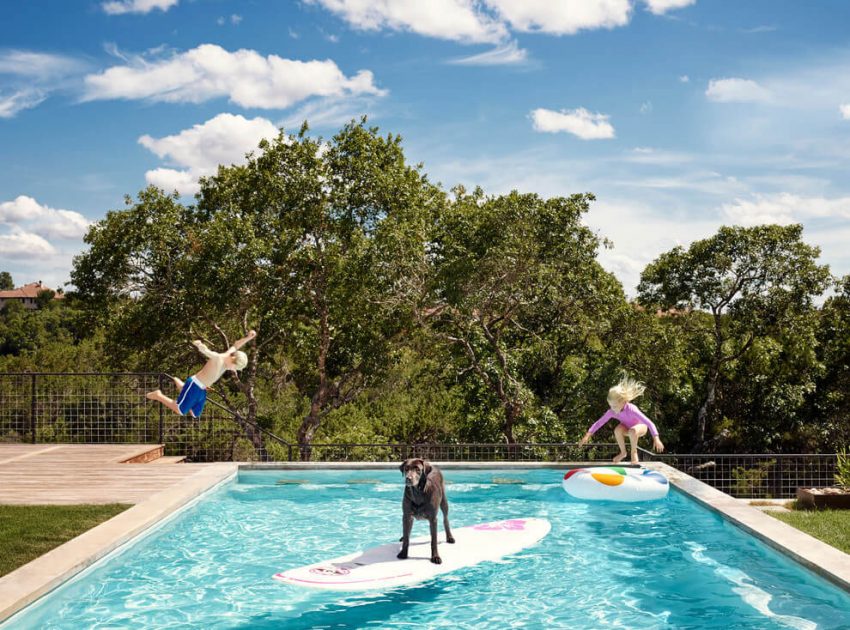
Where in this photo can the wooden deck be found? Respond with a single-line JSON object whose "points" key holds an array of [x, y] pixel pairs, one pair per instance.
{"points": [[66, 474]]}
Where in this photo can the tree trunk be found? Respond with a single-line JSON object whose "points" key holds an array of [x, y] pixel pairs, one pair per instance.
{"points": [[254, 435], [312, 420], [706, 407], [308, 428]]}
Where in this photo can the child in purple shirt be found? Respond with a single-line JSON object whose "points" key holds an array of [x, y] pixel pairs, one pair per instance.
{"points": [[632, 420]]}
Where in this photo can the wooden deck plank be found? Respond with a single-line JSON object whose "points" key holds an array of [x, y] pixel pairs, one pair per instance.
{"points": [[67, 474]]}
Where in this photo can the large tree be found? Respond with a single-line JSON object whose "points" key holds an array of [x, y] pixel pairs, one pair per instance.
{"points": [[829, 424], [736, 288], [516, 277], [309, 243], [160, 273]]}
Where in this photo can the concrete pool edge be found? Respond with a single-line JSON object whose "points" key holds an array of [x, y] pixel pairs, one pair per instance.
{"points": [[28, 583], [825, 560]]}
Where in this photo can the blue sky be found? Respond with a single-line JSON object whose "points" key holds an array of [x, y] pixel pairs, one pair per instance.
{"points": [[680, 115]]}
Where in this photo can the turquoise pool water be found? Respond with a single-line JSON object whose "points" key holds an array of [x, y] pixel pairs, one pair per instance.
{"points": [[666, 564]]}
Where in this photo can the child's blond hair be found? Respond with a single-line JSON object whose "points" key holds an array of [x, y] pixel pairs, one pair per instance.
{"points": [[240, 359], [626, 390]]}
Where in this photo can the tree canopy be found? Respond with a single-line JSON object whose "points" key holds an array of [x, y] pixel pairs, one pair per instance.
{"points": [[388, 309]]}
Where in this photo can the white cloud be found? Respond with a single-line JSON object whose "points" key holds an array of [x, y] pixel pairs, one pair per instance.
{"points": [[685, 78], [646, 107], [37, 65], [578, 122], [24, 245], [562, 17], [660, 7], [640, 233], [736, 90], [785, 208], [25, 214], [765, 28], [329, 112], [445, 19], [244, 76], [119, 7], [656, 157], [507, 54], [845, 111], [19, 100], [199, 150], [34, 76], [233, 19]]}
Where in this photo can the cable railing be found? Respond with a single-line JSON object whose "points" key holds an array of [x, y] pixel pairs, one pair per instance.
{"points": [[109, 408]]}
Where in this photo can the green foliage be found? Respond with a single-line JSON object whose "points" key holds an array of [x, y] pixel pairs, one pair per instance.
{"points": [[758, 284], [749, 481], [44, 297], [6, 282], [516, 290], [842, 469]]}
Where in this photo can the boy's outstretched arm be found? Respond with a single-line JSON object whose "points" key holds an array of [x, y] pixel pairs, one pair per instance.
{"points": [[202, 348], [241, 342]]}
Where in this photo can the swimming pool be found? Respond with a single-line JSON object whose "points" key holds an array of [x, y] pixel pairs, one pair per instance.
{"points": [[666, 564]]}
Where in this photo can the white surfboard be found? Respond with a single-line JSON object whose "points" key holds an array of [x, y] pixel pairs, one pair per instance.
{"points": [[378, 567]]}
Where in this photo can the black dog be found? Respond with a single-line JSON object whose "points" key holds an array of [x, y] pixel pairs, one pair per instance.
{"points": [[424, 494]]}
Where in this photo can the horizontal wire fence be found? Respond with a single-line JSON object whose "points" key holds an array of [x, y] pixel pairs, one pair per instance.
{"points": [[462, 452], [110, 408], [755, 476]]}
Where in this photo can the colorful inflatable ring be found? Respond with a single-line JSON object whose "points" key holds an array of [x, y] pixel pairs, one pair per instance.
{"points": [[615, 483]]}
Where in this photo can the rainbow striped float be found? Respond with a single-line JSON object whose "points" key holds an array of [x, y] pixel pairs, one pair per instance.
{"points": [[615, 483]]}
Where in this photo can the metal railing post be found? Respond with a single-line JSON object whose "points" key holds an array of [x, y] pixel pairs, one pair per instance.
{"points": [[32, 409]]}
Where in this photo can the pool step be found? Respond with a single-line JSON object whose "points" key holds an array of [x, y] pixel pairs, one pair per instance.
{"points": [[170, 459], [145, 455]]}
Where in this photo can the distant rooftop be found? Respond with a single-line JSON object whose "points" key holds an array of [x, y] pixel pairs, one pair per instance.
{"points": [[30, 290]]}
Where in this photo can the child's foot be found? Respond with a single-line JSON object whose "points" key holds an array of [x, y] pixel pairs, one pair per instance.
{"points": [[177, 382], [635, 460], [619, 458], [154, 395]]}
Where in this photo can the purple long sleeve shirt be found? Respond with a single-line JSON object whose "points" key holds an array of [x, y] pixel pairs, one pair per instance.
{"points": [[628, 417]]}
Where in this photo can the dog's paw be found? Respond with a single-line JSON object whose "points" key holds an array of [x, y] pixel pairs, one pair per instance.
{"points": [[402, 555], [437, 560], [450, 540]]}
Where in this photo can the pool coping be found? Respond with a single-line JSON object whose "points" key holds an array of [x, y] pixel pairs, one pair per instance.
{"points": [[35, 579], [25, 585]]}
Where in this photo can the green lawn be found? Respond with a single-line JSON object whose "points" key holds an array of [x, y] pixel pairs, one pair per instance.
{"points": [[830, 526], [28, 531]]}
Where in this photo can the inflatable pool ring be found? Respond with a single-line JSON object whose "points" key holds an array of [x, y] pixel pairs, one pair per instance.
{"points": [[615, 483]]}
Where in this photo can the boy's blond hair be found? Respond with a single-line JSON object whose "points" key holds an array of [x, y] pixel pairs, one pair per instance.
{"points": [[626, 390], [240, 359]]}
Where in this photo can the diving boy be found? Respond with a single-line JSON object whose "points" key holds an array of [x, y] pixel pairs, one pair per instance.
{"points": [[193, 393]]}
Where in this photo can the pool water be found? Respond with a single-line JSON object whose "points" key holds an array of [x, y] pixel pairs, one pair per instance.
{"points": [[663, 564]]}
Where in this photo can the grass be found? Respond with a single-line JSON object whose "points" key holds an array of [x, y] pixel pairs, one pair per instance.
{"points": [[830, 526], [28, 531]]}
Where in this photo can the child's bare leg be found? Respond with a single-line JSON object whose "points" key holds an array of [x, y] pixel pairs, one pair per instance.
{"points": [[177, 383], [635, 433], [620, 436], [165, 400]]}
